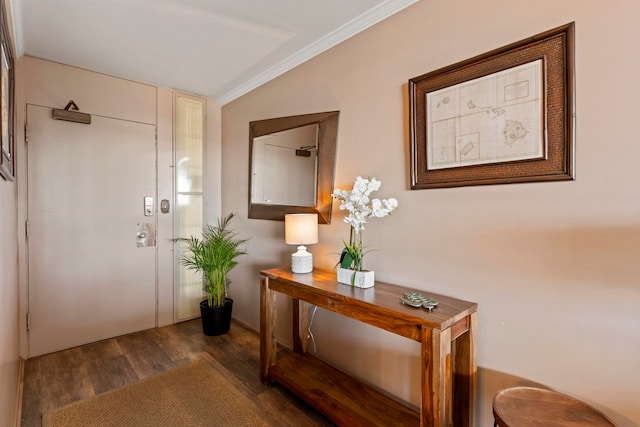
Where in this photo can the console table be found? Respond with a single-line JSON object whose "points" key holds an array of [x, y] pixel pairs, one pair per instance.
{"points": [[448, 335]]}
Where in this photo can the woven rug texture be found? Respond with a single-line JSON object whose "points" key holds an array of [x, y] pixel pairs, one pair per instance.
{"points": [[189, 395]]}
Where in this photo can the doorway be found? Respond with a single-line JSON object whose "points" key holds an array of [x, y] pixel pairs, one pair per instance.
{"points": [[91, 229]]}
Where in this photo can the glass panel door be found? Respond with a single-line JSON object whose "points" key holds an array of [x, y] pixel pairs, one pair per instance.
{"points": [[189, 172]]}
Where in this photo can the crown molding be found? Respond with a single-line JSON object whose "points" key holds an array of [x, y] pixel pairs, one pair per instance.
{"points": [[18, 28], [346, 31]]}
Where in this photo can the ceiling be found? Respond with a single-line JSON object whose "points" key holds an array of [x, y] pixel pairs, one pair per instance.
{"points": [[221, 49]]}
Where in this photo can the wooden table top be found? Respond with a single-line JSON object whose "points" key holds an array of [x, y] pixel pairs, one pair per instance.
{"points": [[383, 298]]}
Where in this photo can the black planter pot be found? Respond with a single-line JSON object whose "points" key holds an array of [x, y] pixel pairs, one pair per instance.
{"points": [[216, 320]]}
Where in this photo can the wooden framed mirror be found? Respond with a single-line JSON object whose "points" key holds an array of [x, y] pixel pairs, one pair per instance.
{"points": [[292, 165]]}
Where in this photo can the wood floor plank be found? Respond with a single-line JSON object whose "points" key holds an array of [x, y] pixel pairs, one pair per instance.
{"points": [[285, 408], [236, 356], [144, 354], [101, 350], [112, 373], [64, 378], [57, 379], [170, 341], [32, 393]]}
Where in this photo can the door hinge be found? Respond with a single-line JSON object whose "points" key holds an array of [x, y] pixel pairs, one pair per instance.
{"points": [[28, 321], [27, 232]]}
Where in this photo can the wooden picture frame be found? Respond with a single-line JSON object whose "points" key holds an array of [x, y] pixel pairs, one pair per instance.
{"points": [[506, 116], [7, 144]]}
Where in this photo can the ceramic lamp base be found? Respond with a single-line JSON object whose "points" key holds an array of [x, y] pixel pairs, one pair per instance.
{"points": [[302, 261]]}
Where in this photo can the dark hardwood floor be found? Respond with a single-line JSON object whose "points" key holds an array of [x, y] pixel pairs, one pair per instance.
{"points": [[57, 379]]}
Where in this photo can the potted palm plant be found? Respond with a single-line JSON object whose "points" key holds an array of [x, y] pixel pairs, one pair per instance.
{"points": [[214, 255]]}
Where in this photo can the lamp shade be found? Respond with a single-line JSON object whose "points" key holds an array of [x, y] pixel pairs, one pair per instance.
{"points": [[301, 229]]}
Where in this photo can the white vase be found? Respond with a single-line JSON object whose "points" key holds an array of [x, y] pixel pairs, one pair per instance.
{"points": [[363, 279]]}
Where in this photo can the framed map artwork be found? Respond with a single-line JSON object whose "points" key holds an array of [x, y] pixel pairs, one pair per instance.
{"points": [[503, 117]]}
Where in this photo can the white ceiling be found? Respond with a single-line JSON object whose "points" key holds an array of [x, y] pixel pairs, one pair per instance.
{"points": [[216, 48]]}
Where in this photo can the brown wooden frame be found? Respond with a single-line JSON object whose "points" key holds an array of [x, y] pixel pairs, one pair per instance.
{"points": [[327, 140], [7, 148], [556, 50]]}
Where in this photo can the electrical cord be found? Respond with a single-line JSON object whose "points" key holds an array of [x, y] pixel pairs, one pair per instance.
{"points": [[309, 333]]}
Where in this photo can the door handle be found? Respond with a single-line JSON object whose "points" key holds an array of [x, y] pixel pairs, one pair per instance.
{"points": [[145, 235]]}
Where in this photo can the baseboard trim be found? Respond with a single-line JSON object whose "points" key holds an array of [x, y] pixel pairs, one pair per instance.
{"points": [[245, 325], [19, 389]]}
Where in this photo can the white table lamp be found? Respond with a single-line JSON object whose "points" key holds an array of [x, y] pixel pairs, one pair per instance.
{"points": [[301, 229]]}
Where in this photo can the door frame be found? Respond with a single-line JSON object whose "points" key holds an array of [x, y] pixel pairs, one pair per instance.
{"points": [[164, 190]]}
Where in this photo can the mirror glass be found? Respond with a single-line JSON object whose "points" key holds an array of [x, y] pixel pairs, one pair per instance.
{"points": [[291, 165], [279, 156]]}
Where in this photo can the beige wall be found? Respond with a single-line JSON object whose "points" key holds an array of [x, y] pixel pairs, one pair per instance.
{"points": [[9, 338], [553, 266], [8, 301]]}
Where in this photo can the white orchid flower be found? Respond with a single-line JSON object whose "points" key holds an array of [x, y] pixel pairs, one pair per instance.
{"points": [[361, 208], [391, 204]]}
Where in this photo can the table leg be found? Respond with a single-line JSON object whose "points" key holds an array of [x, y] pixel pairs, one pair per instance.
{"points": [[300, 323], [437, 387], [267, 329], [465, 375]]}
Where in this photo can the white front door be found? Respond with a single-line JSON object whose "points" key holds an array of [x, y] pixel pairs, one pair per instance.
{"points": [[90, 275]]}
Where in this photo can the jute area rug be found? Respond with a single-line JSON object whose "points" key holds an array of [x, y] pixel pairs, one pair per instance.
{"points": [[190, 395]]}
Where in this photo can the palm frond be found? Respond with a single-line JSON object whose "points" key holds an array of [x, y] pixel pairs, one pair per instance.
{"points": [[214, 255]]}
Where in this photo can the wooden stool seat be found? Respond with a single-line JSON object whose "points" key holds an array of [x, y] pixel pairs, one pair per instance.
{"points": [[536, 407]]}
